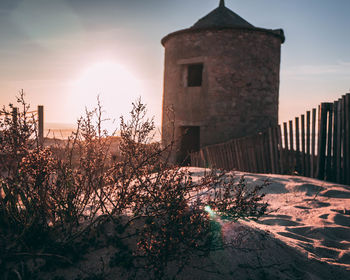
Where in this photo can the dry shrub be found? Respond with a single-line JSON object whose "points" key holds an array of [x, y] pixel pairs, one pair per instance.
{"points": [[55, 201]]}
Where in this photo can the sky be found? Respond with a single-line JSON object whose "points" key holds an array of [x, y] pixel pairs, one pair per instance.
{"points": [[64, 53]]}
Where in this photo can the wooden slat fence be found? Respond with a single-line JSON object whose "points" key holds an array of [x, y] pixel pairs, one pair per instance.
{"points": [[259, 153], [40, 119], [315, 144]]}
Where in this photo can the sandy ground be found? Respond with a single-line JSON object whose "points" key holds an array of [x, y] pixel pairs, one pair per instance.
{"points": [[305, 235], [310, 215]]}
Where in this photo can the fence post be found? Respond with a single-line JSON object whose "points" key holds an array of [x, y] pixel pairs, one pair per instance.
{"points": [[272, 160], [313, 143], [339, 141], [297, 146], [322, 140], [291, 147], [343, 132], [202, 158], [287, 152], [41, 124], [14, 116], [335, 141], [329, 143], [279, 141], [275, 149], [347, 137], [262, 152], [308, 142], [209, 157], [303, 168]]}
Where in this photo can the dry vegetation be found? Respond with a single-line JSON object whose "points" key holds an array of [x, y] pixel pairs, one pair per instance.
{"points": [[57, 203]]}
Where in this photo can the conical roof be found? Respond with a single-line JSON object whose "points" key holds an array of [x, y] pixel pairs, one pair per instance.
{"points": [[222, 17]]}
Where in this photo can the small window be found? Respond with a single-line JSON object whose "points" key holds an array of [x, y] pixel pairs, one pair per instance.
{"points": [[194, 75]]}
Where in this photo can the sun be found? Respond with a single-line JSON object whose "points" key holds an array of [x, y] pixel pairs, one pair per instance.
{"points": [[115, 85]]}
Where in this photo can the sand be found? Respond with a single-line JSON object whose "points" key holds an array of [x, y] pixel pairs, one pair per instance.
{"points": [[305, 235]]}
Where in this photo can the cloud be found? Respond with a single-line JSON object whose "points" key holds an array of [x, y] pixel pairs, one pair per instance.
{"points": [[340, 69]]}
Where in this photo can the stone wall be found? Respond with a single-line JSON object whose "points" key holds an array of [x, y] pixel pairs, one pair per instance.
{"points": [[239, 93]]}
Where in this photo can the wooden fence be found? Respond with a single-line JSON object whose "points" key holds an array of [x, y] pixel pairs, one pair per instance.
{"points": [[315, 144], [39, 113]]}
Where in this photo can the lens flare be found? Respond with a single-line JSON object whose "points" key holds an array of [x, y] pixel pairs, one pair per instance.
{"points": [[209, 211]]}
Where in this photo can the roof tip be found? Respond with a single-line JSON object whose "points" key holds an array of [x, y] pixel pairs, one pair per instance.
{"points": [[221, 17]]}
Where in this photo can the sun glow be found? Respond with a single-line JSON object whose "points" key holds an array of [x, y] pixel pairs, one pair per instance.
{"points": [[114, 84]]}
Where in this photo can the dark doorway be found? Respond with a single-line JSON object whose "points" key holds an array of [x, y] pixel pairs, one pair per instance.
{"points": [[189, 142]]}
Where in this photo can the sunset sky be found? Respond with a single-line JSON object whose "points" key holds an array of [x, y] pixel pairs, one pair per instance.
{"points": [[63, 53]]}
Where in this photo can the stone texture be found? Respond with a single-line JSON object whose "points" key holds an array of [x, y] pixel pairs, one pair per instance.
{"points": [[239, 93]]}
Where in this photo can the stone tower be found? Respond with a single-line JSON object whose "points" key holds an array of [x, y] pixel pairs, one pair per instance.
{"points": [[221, 81]]}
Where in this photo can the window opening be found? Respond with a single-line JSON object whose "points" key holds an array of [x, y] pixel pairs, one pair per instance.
{"points": [[194, 75]]}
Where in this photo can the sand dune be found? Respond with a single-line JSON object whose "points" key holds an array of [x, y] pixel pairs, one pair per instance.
{"points": [[306, 231], [310, 215], [305, 235]]}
